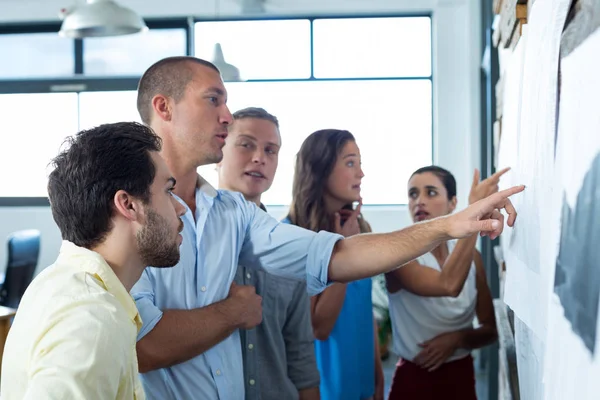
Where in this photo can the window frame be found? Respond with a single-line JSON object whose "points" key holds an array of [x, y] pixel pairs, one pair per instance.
{"points": [[80, 83]]}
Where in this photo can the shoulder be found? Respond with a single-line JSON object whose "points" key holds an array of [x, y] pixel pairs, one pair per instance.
{"points": [[67, 283], [228, 204], [94, 319], [97, 307], [76, 306], [232, 198]]}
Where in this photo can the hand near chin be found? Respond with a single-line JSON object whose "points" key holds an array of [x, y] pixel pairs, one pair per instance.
{"points": [[350, 218]]}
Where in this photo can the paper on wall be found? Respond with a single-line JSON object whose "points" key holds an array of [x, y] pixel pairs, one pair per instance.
{"points": [[572, 365], [527, 282]]}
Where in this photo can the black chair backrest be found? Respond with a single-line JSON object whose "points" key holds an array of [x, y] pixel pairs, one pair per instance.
{"points": [[23, 254]]}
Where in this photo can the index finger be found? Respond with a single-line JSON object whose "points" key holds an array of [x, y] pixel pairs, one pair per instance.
{"points": [[475, 178], [506, 193], [498, 174]]}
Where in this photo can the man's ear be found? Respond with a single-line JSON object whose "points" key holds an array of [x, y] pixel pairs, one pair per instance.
{"points": [[127, 206], [161, 105]]}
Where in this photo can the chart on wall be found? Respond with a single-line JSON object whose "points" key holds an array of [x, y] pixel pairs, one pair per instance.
{"points": [[527, 282], [577, 276], [572, 365], [508, 152]]}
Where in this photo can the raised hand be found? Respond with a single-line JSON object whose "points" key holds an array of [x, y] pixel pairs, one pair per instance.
{"points": [[481, 190], [350, 218], [484, 216]]}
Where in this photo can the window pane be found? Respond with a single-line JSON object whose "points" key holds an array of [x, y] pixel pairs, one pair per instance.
{"points": [[391, 121], [31, 143], [259, 49], [372, 47], [97, 108], [36, 55], [131, 54]]}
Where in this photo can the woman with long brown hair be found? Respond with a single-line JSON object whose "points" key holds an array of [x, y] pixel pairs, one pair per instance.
{"points": [[327, 182]]}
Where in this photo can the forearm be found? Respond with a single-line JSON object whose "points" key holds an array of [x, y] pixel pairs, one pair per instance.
{"points": [[326, 309], [457, 266], [367, 255], [181, 335], [309, 393], [476, 338]]}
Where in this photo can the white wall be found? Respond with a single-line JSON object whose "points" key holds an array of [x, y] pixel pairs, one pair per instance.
{"points": [[456, 39]]}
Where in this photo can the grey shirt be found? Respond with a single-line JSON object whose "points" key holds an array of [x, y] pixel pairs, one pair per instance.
{"points": [[279, 354]]}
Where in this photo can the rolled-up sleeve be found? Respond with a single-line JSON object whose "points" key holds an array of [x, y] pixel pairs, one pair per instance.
{"points": [[286, 250], [143, 294], [300, 342]]}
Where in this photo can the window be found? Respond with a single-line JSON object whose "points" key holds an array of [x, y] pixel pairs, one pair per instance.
{"points": [[391, 121], [36, 55], [131, 54], [97, 108], [372, 47], [37, 126], [371, 76], [259, 49]]}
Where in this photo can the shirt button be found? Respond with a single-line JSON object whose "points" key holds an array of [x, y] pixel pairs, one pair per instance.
{"points": [[203, 288], [248, 275], [252, 382], [250, 346], [218, 372]]}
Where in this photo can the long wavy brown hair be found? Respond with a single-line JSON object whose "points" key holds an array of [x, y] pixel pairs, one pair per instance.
{"points": [[314, 164]]}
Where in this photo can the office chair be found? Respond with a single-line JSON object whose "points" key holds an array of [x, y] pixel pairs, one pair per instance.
{"points": [[23, 254]]}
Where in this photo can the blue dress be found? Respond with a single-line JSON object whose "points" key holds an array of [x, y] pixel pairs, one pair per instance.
{"points": [[346, 360]]}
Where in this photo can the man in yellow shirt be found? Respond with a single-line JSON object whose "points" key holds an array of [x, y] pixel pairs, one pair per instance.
{"points": [[74, 334]]}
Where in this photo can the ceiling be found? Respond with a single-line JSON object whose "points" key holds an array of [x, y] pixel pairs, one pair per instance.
{"points": [[47, 10]]}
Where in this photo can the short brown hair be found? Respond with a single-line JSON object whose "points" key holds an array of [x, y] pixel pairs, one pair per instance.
{"points": [[257, 113], [169, 77], [92, 167]]}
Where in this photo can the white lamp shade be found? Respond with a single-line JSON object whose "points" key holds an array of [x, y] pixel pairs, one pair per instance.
{"points": [[229, 72], [98, 18]]}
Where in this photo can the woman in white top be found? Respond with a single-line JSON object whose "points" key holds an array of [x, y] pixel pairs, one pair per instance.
{"points": [[432, 325]]}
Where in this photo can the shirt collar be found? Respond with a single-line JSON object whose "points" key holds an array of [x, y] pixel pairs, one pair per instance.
{"points": [[99, 268], [205, 187]]}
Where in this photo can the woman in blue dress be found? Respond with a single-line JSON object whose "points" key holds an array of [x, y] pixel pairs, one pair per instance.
{"points": [[327, 181]]}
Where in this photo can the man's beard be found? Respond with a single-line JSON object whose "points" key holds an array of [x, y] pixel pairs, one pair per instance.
{"points": [[156, 244]]}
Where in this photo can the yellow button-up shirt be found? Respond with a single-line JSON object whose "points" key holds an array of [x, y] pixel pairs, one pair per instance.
{"points": [[74, 334]]}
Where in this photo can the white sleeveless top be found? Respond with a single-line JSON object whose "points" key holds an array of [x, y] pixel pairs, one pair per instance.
{"points": [[416, 319]]}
